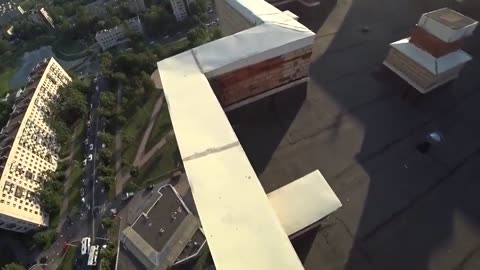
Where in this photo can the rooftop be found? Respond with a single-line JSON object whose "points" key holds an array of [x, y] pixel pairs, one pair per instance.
{"points": [[352, 121], [401, 209], [160, 216], [165, 233]]}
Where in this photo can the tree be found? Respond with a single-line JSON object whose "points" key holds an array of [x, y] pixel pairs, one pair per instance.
{"points": [[158, 21], [106, 155], [108, 100], [107, 181], [62, 132], [106, 138], [3, 46], [134, 171], [197, 36], [107, 222], [216, 33], [13, 266], [44, 239], [198, 7]]}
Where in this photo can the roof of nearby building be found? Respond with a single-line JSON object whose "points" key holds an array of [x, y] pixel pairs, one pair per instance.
{"points": [[163, 233]]}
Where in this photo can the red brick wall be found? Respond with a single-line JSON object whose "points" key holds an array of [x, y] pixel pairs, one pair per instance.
{"points": [[258, 78], [433, 45]]}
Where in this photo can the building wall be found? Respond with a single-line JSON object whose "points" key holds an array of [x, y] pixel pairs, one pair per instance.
{"points": [[180, 9], [112, 37], [231, 21], [433, 45], [246, 82], [29, 151]]}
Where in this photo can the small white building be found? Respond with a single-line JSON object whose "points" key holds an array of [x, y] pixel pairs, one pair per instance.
{"points": [[112, 37]]}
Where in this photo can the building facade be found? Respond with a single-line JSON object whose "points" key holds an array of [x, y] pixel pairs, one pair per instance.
{"points": [[112, 37], [28, 150], [180, 8]]}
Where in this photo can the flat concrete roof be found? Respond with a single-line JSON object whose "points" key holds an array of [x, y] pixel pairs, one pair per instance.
{"points": [[401, 209], [159, 217]]}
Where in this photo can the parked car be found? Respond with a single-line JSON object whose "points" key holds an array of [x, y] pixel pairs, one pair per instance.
{"points": [[90, 157], [91, 146], [150, 187], [82, 192], [85, 162], [127, 195]]}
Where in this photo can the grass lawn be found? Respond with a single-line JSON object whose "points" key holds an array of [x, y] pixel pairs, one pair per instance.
{"points": [[160, 128], [4, 81], [161, 164], [68, 262], [114, 231], [136, 125], [73, 195]]}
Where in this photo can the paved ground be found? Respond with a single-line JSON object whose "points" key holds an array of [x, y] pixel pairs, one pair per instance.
{"points": [[402, 209]]}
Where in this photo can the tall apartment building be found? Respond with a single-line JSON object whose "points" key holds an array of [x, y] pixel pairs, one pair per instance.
{"points": [[112, 37], [28, 150], [180, 8]]}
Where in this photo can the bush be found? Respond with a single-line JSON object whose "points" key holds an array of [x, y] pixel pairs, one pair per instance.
{"points": [[107, 222], [45, 239]]}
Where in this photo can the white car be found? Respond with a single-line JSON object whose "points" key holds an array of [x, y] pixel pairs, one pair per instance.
{"points": [[85, 245], [91, 147], [96, 88], [90, 157], [85, 162]]}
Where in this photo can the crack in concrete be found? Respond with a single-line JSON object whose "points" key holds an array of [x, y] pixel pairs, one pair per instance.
{"points": [[210, 151]]}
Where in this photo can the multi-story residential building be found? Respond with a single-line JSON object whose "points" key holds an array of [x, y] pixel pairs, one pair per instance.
{"points": [[180, 8], [112, 37], [28, 150]]}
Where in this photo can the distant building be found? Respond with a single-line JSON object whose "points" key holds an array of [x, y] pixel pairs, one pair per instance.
{"points": [[165, 233], [28, 150], [20, 9], [180, 8], [44, 15], [136, 6], [112, 37]]}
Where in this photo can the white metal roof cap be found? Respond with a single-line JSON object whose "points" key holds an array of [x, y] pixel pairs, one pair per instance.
{"points": [[304, 202], [426, 60], [250, 46]]}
